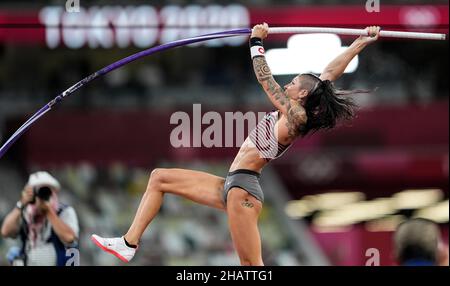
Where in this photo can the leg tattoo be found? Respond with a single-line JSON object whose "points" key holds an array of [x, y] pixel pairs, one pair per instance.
{"points": [[247, 204]]}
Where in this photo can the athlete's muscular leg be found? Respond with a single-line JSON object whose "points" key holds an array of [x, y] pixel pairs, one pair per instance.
{"points": [[200, 187], [243, 212]]}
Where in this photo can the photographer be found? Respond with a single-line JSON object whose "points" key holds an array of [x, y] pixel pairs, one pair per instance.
{"points": [[46, 227]]}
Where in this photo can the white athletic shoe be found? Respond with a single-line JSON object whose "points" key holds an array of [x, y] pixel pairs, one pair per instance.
{"points": [[115, 246]]}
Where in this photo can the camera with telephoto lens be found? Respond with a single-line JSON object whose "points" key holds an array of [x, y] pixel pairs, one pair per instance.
{"points": [[43, 193]]}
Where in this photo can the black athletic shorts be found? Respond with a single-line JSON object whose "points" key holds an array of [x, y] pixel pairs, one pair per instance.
{"points": [[245, 179]]}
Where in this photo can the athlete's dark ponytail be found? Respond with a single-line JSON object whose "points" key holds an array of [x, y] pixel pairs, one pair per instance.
{"points": [[324, 107]]}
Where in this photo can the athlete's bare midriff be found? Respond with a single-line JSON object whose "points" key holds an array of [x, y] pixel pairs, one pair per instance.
{"points": [[248, 158]]}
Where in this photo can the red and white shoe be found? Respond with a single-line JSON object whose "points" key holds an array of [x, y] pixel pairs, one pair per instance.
{"points": [[115, 246]]}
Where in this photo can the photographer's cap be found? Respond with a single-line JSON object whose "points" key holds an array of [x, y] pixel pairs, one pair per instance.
{"points": [[43, 178]]}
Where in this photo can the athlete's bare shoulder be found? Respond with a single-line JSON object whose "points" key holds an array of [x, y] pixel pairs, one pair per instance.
{"points": [[295, 117]]}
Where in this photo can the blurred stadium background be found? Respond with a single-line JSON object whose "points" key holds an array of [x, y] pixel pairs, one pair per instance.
{"points": [[333, 197]]}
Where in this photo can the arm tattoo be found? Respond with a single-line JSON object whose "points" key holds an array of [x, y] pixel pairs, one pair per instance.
{"points": [[264, 76], [261, 68], [296, 116]]}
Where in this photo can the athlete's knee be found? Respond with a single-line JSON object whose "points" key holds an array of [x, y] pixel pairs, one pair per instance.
{"points": [[157, 177]]}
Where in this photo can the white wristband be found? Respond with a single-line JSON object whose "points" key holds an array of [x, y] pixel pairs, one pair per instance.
{"points": [[257, 51]]}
